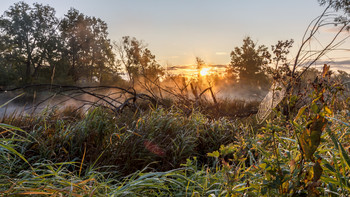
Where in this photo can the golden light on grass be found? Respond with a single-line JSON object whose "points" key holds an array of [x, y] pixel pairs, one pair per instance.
{"points": [[204, 71]]}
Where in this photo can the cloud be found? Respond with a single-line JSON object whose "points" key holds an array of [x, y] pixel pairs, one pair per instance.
{"points": [[335, 65], [220, 53], [218, 66], [172, 68], [185, 67], [179, 67], [345, 63], [338, 63]]}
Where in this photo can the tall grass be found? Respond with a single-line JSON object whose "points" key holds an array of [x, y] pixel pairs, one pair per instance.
{"points": [[170, 152]]}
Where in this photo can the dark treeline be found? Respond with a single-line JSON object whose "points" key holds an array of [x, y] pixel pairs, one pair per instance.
{"points": [[36, 47]]}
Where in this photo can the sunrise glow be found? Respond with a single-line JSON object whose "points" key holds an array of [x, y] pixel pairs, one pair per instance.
{"points": [[204, 71]]}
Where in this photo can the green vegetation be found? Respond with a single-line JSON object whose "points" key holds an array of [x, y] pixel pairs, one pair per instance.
{"points": [[169, 152], [156, 135]]}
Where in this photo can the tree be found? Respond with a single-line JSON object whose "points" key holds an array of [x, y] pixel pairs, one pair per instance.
{"points": [[337, 4], [30, 38], [248, 63], [140, 65], [138, 60], [280, 66], [87, 47], [200, 63]]}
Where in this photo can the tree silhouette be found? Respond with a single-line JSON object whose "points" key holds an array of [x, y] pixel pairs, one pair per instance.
{"points": [[87, 48], [248, 63], [138, 60], [29, 38]]}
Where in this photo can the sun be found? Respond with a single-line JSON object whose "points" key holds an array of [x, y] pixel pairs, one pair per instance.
{"points": [[204, 71]]}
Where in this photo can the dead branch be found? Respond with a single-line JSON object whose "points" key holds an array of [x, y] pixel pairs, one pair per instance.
{"points": [[116, 101]]}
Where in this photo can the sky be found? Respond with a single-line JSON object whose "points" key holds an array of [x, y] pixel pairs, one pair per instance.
{"points": [[177, 31]]}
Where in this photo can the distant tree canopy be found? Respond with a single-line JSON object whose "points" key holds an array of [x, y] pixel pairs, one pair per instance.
{"points": [[138, 60], [248, 64], [37, 47], [87, 47], [29, 39]]}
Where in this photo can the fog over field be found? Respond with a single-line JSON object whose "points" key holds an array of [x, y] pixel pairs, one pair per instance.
{"points": [[175, 98]]}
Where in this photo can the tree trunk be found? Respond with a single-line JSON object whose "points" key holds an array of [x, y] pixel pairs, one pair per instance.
{"points": [[28, 71]]}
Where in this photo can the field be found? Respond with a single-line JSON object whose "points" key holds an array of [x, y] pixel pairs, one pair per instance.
{"points": [[169, 150], [88, 112]]}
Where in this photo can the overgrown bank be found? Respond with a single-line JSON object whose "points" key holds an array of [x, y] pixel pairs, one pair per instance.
{"points": [[170, 152]]}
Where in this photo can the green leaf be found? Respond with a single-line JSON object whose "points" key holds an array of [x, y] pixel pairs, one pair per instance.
{"points": [[300, 112], [10, 127], [330, 180], [263, 165], [314, 108], [344, 155], [334, 140], [11, 100], [9, 148], [215, 154], [310, 139], [328, 166]]}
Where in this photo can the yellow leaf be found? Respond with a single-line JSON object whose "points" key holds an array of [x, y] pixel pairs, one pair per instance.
{"points": [[300, 112], [329, 111], [325, 70], [215, 154], [311, 137]]}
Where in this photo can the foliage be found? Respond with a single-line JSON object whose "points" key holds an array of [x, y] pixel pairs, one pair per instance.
{"points": [[30, 38], [249, 62], [142, 69], [280, 62], [177, 150], [337, 4], [140, 64], [87, 47], [166, 138], [166, 152], [36, 47]]}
